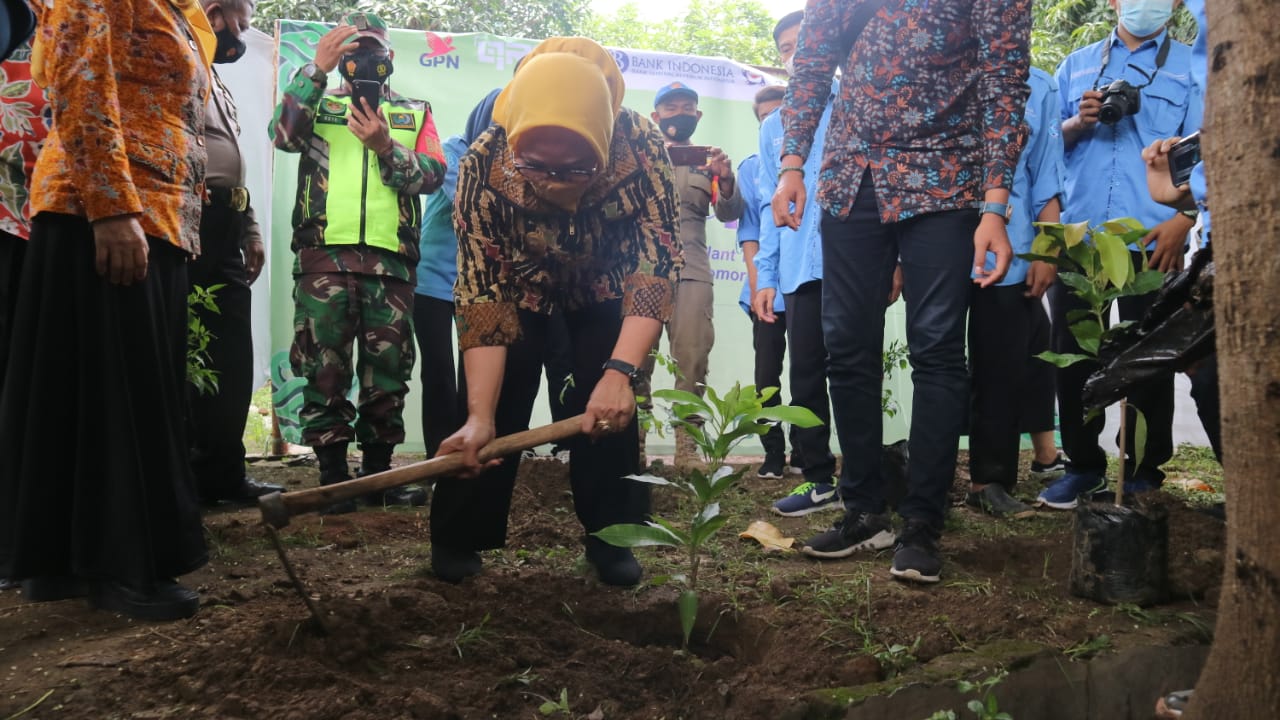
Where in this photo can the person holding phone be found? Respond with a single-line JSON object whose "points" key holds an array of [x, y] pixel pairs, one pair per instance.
{"points": [[705, 181], [367, 153]]}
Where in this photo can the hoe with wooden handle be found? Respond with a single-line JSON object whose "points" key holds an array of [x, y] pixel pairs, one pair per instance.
{"points": [[277, 508]]}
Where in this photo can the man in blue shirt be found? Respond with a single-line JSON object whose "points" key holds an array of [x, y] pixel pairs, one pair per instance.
{"points": [[1106, 179], [769, 340], [790, 263], [1012, 391]]}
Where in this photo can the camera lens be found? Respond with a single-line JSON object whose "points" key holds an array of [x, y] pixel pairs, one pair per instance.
{"points": [[1109, 113]]}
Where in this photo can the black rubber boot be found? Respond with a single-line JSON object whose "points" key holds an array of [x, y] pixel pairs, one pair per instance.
{"points": [[333, 469], [377, 458]]}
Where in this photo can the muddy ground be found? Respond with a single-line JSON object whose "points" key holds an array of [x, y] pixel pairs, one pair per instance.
{"points": [[535, 636]]}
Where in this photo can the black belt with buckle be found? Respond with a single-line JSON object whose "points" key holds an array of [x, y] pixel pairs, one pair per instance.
{"points": [[236, 198]]}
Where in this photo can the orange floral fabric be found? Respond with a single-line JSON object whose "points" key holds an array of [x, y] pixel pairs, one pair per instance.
{"points": [[128, 82]]}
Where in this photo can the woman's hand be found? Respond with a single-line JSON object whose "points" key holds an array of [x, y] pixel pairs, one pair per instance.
{"points": [[611, 406], [468, 440]]}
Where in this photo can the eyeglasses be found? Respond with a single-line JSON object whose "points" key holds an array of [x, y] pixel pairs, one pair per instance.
{"points": [[540, 172]]}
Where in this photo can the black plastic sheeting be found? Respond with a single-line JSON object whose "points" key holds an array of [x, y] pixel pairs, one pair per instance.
{"points": [[1120, 554], [1174, 334]]}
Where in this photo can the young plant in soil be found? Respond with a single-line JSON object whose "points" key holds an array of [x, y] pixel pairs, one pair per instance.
{"points": [[717, 423], [202, 377]]}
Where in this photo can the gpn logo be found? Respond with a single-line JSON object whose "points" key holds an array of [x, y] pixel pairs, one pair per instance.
{"points": [[440, 52]]}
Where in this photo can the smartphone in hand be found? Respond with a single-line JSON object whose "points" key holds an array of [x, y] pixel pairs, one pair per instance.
{"points": [[1183, 157], [689, 155], [368, 90]]}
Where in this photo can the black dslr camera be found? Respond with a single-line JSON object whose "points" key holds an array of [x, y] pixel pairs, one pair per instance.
{"points": [[1118, 100]]}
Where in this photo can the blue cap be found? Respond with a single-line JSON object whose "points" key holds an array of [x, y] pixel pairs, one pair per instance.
{"points": [[675, 89]]}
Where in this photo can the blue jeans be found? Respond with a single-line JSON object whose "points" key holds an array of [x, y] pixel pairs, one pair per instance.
{"points": [[858, 258]]}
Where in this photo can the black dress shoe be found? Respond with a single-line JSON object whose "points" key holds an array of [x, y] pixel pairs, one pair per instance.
{"points": [[614, 565], [405, 496], [7, 584], [55, 587], [454, 565], [167, 601]]}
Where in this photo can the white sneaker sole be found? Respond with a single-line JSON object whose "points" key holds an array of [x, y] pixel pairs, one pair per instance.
{"points": [[879, 541], [913, 575], [1041, 502], [768, 476], [833, 505]]}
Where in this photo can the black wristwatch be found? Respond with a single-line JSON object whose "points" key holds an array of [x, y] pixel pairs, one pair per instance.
{"points": [[631, 371]]}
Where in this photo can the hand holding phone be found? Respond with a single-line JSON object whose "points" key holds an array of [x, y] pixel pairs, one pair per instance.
{"points": [[369, 91], [1184, 155]]}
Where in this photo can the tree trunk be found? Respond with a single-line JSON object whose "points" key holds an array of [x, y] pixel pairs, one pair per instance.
{"points": [[1242, 152]]}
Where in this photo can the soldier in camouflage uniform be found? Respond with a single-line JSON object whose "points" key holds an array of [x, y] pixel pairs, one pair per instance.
{"points": [[356, 242]]}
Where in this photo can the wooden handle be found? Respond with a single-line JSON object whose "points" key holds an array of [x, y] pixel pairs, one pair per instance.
{"points": [[278, 508]]}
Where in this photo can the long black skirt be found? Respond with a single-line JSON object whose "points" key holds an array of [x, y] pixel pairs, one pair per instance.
{"points": [[94, 475]]}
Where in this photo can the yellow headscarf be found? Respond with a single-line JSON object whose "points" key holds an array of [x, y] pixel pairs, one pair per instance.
{"points": [[571, 83]]}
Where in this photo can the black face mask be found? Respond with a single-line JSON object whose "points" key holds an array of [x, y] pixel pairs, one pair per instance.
{"points": [[678, 127], [230, 48], [366, 65]]}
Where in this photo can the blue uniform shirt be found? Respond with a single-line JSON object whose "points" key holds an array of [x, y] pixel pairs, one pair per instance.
{"points": [[749, 224], [438, 264], [1040, 174], [1106, 177], [789, 258], [1200, 75]]}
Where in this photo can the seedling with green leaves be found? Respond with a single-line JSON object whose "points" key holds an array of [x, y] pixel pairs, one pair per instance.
{"points": [[202, 377], [717, 423], [985, 706]]}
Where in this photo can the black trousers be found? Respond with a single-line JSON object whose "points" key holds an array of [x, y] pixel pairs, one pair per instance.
{"points": [[94, 474], [12, 250], [769, 340], [858, 258], [1011, 391], [809, 380], [442, 410], [216, 422], [472, 514], [1204, 390], [1154, 398], [558, 363]]}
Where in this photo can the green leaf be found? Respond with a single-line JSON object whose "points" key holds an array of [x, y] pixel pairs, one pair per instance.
{"points": [[1056, 260], [651, 479], [681, 396], [707, 529], [688, 606], [792, 414], [676, 532], [1139, 436], [724, 478], [766, 394], [630, 535], [1085, 256], [1062, 359], [1074, 233], [1146, 281], [700, 483], [1117, 264], [1075, 316], [975, 707], [1120, 226], [1088, 334]]}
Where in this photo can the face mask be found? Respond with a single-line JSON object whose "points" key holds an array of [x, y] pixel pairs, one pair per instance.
{"points": [[678, 127], [230, 48], [790, 65], [1145, 17], [366, 65], [559, 193]]}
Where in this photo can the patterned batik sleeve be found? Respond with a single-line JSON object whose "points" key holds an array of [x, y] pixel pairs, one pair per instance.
{"points": [[650, 290], [485, 316], [1003, 30], [419, 171], [81, 53], [822, 45], [295, 116]]}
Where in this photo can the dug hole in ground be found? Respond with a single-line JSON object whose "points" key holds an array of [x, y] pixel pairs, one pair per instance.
{"points": [[779, 635]]}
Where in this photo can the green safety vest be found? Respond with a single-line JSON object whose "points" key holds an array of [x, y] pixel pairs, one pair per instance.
{"points": [[359, 208]]}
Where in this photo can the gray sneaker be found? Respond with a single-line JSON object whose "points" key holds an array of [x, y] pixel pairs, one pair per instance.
{"points": [[993, 500]]}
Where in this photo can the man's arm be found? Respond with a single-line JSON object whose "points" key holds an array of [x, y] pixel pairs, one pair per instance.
{"points": [[419, 171], [294, 118], [251, 243], [1003, 30], [822, 45]]}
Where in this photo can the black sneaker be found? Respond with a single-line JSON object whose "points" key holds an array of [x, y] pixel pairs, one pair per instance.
{"points": [[915, 556], [166, 601], [454, 566], [771, 468], [1048, 472], [613, 565], [403, 496], [994, 500], [861, 531]]}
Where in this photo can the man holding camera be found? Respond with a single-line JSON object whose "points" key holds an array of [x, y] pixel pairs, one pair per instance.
{"points": [[367, 153], [705, 181], [1120, 95]]}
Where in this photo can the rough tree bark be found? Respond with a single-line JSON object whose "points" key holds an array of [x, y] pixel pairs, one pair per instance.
{"points": [[1242, 152]]}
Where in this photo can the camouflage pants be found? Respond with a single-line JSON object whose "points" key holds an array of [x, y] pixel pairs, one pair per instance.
{"points": [[331, 312]]}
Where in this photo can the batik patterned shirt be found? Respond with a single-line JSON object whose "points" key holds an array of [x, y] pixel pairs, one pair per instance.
{"points": [[24, 124], [518, 252], [128, 81], [930, 102]]}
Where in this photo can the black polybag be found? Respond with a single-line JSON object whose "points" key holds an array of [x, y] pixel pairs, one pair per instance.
{"points": [[1120, 554]]}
